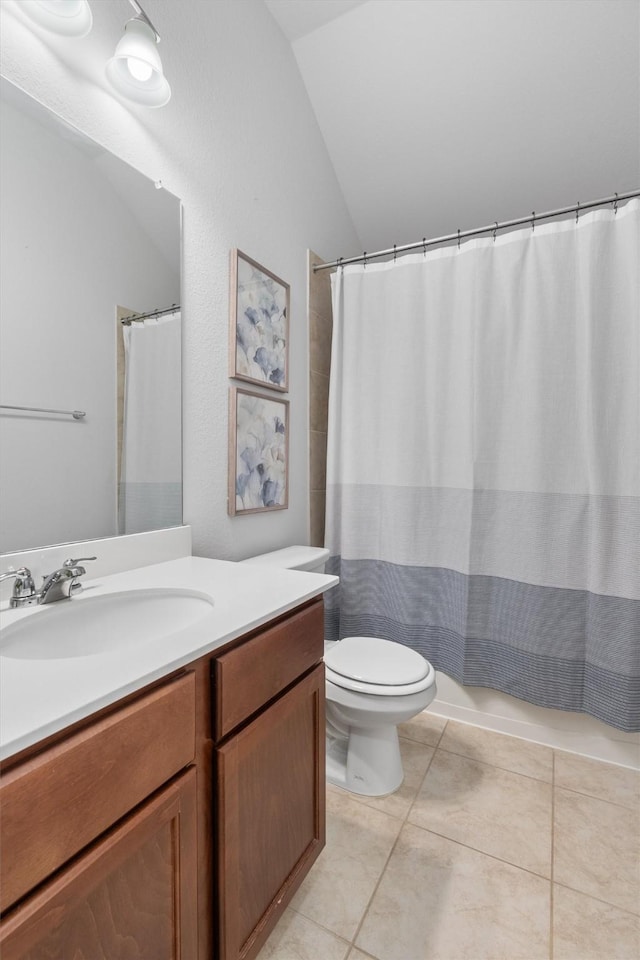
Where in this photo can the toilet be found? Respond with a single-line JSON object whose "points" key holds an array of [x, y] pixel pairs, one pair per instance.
{"points": [[372, 685]]}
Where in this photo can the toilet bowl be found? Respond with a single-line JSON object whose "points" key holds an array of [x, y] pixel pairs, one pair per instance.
{"points": [[372, 685]]}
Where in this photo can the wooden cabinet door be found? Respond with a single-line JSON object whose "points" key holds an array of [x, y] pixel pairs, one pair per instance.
{"points": [[132, 894], [271, 823]]}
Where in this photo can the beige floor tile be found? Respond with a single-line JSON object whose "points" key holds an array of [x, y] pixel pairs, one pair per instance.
{"points": [[498, 812], [296, 938], [587, 929], [339, 886], [439, 900], [509, 753], [597, 849], [359, 955], [426, 728], [416, 757], [607, 781]]}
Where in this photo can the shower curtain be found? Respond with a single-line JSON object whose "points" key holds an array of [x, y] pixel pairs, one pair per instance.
{"points": [[483, 471], [150, 495]]}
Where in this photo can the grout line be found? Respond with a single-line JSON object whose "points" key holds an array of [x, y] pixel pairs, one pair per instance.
{"points": [[592, 796], [391, 852], [553, 854], [405, 819], [366, 801], [446, 724], [320, 926], [605, 903], [417, 793], [375, 890], [492, 856], [364, 953], [496, 766]]}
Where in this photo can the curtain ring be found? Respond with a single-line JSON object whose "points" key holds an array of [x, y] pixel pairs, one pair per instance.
{"points": [[424, 246], [458, 238], [495, 230], [533, 221], [364, 257], [615, 203], [340, 259], [394, 253], [577, 211]]}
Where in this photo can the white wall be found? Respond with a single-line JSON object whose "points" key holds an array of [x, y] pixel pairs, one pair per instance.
{"points": [[239, 144], [447, 114]]}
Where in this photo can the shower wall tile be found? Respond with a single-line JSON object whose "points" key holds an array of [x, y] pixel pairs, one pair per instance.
{"points": [[320, 342], [317, 504], [319, 287], [317, 460], [320, 326], [318, 401]]}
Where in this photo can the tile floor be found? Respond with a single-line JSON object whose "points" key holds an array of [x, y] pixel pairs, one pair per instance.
{"points": [[493, 849]]}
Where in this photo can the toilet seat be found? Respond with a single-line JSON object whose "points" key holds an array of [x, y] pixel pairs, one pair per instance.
{"points": [[377, 667]]}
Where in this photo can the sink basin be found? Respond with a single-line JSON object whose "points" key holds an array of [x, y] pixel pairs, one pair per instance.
{"points": [[88, 626]]}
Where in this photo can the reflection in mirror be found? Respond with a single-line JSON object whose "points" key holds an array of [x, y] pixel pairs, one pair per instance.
{"points": [[86, 242]]}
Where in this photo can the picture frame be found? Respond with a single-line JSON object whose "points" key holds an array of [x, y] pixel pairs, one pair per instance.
{"points": [[259, 324], [258, 452]]}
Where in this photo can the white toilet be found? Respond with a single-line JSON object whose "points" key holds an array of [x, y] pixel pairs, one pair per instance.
{"points": [[372, 685]]}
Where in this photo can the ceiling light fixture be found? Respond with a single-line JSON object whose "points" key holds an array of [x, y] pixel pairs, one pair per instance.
{"points": [[69, 18], [135, 69]]}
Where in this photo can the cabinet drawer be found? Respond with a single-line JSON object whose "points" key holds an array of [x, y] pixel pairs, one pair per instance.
{"points": [[255, 672], [56, 803]]}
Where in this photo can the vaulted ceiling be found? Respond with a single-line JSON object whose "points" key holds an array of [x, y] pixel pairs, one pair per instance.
{"points": [[439, 114]]}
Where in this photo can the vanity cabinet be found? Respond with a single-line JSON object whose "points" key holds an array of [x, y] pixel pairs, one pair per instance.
{"points": [[270, 776], [178, 824], [113, 793], [130, 895]]}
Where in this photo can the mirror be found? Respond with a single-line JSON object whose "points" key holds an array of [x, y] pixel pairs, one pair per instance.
{"points": [[85, 241]]}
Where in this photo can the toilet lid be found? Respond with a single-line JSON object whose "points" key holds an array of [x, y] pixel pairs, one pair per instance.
{"points": [[375, 661]]}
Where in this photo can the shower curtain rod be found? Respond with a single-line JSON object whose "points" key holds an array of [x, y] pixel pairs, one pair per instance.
{"points": [[139, 317], [461, 234]]}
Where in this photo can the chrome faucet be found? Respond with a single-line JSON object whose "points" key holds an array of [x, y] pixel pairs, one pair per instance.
{"points": [[59, 585], [62, 583], [24, 589]]}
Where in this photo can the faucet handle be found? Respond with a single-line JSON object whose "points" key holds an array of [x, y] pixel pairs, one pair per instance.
{"points": [[72, 563], [19, 574]]}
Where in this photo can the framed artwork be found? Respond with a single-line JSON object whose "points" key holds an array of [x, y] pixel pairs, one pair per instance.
{"points": [[258, 452], [259, 327]]}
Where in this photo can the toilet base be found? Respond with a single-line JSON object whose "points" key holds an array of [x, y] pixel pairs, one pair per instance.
{"points": [[368, 763]]}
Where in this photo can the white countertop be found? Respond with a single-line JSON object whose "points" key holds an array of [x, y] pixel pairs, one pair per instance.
{"points": [[41, 697]]}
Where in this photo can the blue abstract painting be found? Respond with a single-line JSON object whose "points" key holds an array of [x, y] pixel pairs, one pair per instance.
{"points": [[260, 427], [261, 324]]}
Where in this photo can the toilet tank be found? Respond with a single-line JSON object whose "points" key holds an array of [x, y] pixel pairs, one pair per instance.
{"points": [[294, 558]]}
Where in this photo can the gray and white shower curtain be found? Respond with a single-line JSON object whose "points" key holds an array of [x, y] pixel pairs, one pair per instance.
{"points": [[150, 492], [483, 472]]}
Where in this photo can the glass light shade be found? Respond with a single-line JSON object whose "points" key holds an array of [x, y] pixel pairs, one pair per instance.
{"points": [[135, 69], [69, 18]]}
